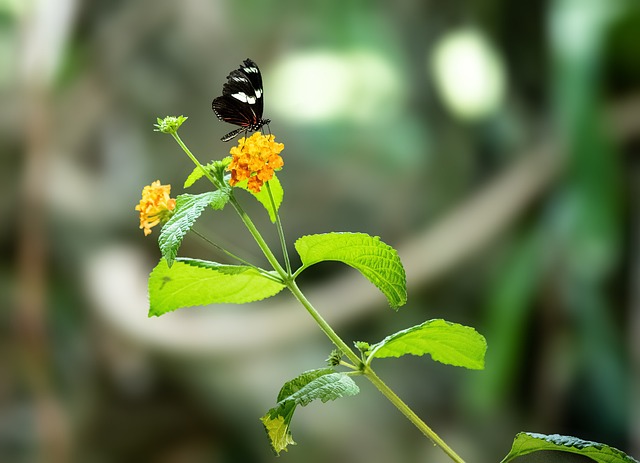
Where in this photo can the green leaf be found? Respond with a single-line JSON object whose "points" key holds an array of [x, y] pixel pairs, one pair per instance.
{"points": [[277, 427], [323, 384], [446, 342], [196, 174], [377, 261], [325, 387], [528, 442], [294, 385], [188, 209], [215, 169], [263, 195], [193, 282]]}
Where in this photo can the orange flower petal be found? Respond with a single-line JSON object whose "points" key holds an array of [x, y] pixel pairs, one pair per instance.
{"points": [[255, 158]]}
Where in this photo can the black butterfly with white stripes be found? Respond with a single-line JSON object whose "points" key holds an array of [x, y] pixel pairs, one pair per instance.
{"points": [[241, 102]]}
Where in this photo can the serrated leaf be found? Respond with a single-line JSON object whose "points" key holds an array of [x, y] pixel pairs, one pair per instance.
{"points": [[293, 386], [446, 342], [327, 387], [188, 209], [528, 442], [377, 261], [196, 174], [193, 282], [263, 195], [277, 429], [323, 384]]}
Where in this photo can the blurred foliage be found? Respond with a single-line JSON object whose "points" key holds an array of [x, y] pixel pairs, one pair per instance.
{"points": [[555, 294]]}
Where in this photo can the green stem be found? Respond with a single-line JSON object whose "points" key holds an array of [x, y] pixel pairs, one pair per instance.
{"points": [[371, 375], [259, 239], [324, 326], [223, 250], [410, 414], [194, 159], [238, 258], [280, 230], [243, 215]]}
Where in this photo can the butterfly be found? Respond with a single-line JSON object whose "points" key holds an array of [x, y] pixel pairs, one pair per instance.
{"points": [[241, 101]]}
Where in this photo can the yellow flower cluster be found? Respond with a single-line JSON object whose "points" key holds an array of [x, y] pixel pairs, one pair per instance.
{"points": [[255, 159], [155, 206]]}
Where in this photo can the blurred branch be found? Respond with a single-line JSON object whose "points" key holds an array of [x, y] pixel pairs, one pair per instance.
{"points": [[427, 257], [490, 212], [45, 29]]}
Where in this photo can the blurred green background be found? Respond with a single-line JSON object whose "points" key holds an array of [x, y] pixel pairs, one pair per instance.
{"points": [[495, 144]]}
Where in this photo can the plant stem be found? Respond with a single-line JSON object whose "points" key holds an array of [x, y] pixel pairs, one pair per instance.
{"points": [[371, 375], [259, 239], [194, 159], [280, 230], [245, 218], [331, 334], [324, 326], [410, 414], [239, 259], [223, 250], [243, 215]]}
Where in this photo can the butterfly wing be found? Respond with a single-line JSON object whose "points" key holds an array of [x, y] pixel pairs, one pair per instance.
{"points": [[229, 109], [241, 102], [252, 72]]}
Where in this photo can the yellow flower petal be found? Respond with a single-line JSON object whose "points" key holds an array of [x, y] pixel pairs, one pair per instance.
{"points": [[155, 206]]}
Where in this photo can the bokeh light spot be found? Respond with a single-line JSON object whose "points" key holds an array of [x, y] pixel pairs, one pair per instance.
{"points": [[469, 74]]}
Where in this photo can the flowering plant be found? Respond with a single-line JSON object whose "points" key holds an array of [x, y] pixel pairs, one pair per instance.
{"points": [[182, 282]]}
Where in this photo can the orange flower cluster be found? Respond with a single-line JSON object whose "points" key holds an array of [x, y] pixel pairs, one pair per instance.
{"points": [[155, 206], [255, 159]]}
